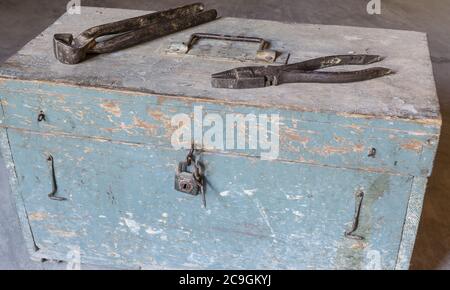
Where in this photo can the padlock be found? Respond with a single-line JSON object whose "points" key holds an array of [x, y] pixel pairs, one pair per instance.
{"points": [[185, 180]]}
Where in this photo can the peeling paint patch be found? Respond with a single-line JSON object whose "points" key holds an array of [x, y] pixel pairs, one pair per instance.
{"points": [[339, 139], [355, 116], [358, 148], [294, 197], [354, 127], [225, 193], [250, 192], [298, 214], [157, 115], [126, 128], [359, 245], [413, 145], [144, 125], [132, 225], [111, 108], [62, 233], [295, 136], [88, 150], [37, 216], [152, 231], [330, 150]]}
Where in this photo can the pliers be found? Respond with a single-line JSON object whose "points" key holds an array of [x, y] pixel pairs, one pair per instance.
{"points": [[128, 32], [301, 72]]}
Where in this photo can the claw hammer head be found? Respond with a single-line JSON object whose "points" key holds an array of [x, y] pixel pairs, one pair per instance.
{"points": [[67, 51]]}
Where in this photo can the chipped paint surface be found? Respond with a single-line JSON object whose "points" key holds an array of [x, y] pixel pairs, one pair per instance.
{"points": [[145, 125], [224, 193], [112, 108], [152, 231], [157, 221], [294, 197], [62, 233], [250, 192], [312, 142], [413, 145], [340, 143], [134, 226]]}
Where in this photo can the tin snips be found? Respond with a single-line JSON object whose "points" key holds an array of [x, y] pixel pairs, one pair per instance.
{"points": [[301, 72], [128, 32]]}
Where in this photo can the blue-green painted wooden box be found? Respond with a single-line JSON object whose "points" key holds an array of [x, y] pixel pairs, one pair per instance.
{"points": [[108, 127]]}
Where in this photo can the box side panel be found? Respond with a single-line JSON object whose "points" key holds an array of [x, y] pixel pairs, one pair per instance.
{"points": [[411, 225], [5, 152]]}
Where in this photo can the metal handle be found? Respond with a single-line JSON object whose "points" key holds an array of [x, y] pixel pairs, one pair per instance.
{"points": [[351, 233], [52, 194], [262, 54]]}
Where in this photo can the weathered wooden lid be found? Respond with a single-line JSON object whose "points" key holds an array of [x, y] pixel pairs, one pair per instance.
{"points": [[410, 93]]}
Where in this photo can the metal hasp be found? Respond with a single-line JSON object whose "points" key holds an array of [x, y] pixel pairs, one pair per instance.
{"points": [[262, 54], [131, 31], [301, 72]]}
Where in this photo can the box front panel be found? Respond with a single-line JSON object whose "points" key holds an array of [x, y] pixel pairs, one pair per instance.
{"points": [[122, 209]]}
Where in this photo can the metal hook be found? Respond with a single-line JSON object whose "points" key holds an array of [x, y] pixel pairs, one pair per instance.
{"points": [[41, 116], [350, 234], [52, 194]]}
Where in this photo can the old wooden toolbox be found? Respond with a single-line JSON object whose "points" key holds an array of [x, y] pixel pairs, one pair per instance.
{"points": [[108, 123]]}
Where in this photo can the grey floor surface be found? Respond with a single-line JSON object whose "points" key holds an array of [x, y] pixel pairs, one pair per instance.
{"points": [[20, 21]]}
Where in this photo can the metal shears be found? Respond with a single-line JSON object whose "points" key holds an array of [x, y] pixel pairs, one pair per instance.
{"points": [[301, 72]]}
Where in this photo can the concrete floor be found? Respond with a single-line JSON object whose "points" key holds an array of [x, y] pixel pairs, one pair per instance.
{"points": [[22, 20]]}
